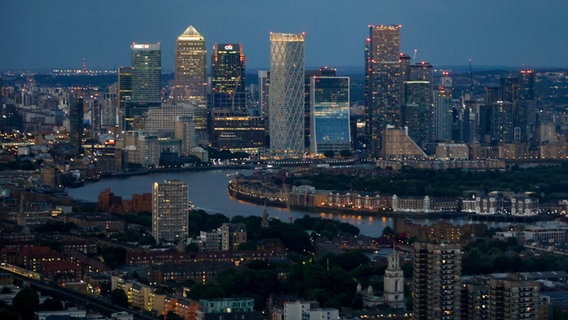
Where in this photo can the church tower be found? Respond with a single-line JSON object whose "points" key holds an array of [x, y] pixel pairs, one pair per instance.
{"points": [[394, 282]]}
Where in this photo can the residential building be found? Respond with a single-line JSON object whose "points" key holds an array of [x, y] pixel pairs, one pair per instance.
{"points": [[227, 309], [170, 211], [232, 235], [437, 285], [382, 81]]}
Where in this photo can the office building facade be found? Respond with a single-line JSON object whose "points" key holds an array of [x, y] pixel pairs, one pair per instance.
{"points": [[228, 78], [146, 73], [124, 95], [190, 77], [286, 103], [329, 121], [170, 212]]}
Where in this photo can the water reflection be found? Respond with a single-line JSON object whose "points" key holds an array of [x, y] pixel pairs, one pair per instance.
{"points": [[208, 191]]}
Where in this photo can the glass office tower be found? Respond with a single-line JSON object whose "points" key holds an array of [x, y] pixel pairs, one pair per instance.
{"points": [[146, 73], [330, 130]]}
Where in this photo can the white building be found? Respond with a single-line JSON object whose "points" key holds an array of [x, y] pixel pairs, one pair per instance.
{"points": [[286, 102], [394, 282]]}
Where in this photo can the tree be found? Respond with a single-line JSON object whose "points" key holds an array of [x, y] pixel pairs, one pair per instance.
{"points": [[26, 302], [388, 232], [119, 298]]}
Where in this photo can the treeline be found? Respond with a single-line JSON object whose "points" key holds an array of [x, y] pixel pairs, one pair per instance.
{"points": [[292, 235], [485, 256], [332, 281], [549, 183]]}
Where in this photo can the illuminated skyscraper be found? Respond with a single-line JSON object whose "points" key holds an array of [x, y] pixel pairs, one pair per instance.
{"points": [[286, 103], [190, 68], [124, 97], [170, 213], [228, 78], [146, 73], [330, 130], [383, 80], [443, 114]]}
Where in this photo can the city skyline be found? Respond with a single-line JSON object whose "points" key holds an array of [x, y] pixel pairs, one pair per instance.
{"points": [[523, 33]]}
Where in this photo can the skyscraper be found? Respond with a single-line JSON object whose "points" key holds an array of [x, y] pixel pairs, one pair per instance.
{"points": [[437, 286], [383, 80], [228, 78], [525, 109], [321, 72], [146, 73], [443, 114], [330, 130], [417, 112], [190, 68], [170, 213], [263, 94], [76, 123], [286, 103], [124, 97]]}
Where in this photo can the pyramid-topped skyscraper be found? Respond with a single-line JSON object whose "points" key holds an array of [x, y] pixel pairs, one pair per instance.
{"points": [[190, 67]]}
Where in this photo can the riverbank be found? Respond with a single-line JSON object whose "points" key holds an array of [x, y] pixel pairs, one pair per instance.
{"points": [[262, 192]]}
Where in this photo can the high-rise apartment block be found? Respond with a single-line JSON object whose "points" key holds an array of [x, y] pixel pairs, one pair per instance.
{"points": [[170, 211], [329, 121], [228, 78], [383, 81], [502, 296], [437, 285], [190, 77], [286, 103]]}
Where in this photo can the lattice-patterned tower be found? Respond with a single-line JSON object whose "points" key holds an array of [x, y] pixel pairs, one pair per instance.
{"points": [[286, 103]]}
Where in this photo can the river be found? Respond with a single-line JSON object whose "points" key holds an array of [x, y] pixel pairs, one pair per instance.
{"points": [[208, 191]]}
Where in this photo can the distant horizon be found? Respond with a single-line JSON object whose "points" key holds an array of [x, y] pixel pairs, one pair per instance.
{"points": [[340, 69]]}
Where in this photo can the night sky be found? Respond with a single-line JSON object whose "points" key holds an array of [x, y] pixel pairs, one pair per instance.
{"points": [[59, 33]]}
